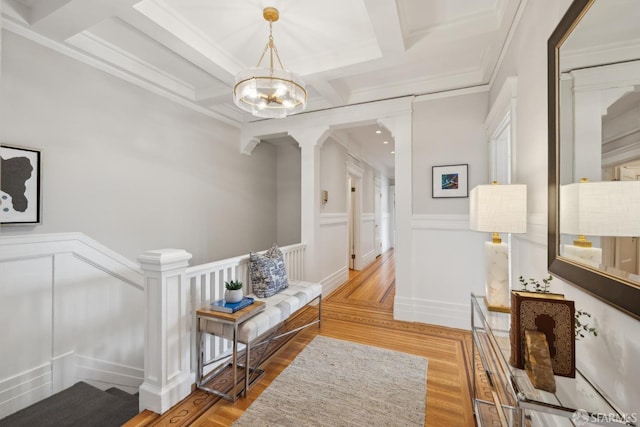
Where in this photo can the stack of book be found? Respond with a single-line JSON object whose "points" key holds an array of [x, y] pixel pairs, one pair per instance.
{"points": [[231, 307], [551, 314]]}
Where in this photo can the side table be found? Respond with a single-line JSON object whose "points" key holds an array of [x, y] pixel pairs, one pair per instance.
{"points": [[234, 319]]}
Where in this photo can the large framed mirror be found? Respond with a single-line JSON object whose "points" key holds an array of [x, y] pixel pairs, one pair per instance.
{"points": [[594, 150]]}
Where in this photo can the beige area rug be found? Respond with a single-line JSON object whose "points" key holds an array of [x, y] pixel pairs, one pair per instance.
{"points": [[340, 383]]}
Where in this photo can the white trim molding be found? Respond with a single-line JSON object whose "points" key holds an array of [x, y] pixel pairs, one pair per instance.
{"points": [[333, 218], [335, 279], [80, 245], [440, 222], [432, 312]]}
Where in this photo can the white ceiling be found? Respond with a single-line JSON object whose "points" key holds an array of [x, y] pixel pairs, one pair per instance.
{"points": [[347, 51]]}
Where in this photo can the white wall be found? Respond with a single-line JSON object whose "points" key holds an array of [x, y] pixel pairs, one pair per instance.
{"points": [[611, 358], [368, 188], [288, 191], [73, 311], [386, 225], [334, 232], [446, 256], [130, 168], [368, 220]]}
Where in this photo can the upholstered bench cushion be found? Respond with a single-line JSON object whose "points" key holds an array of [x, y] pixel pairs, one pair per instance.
{"points": [[279, 307]]}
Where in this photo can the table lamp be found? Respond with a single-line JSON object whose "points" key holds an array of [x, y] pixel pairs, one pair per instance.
{"points": [[607, 208], [498, 209]]}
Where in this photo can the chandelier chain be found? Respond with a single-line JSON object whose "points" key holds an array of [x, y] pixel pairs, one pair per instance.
{"points": [[271, 47]]}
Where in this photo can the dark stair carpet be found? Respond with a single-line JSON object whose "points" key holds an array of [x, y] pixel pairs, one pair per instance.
{"points": [[80, 405]]}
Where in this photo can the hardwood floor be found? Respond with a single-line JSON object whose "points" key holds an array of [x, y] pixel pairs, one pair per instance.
{"points": [[361, 310]]}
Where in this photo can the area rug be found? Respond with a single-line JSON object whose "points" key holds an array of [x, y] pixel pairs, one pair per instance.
{"points": [[340, 383]]}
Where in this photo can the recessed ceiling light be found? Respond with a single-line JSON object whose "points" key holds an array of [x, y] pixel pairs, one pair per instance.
{"points": [[385, 142], [378, 131], [393, 152]]}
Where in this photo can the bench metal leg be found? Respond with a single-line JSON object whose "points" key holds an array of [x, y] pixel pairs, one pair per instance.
{"points": [[247, 368], [200, 357]]}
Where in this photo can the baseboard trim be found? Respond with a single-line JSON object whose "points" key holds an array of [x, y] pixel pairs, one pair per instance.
{"points": [[335, 279], [25, 389], [160, 400], [368, 258], [104, 374]]}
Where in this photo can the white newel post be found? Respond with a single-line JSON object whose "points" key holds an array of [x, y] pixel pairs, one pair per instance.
{"points": [[167, 371]]}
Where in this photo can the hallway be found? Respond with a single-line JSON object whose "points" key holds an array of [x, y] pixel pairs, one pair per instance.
{"points": [[361, 310]]}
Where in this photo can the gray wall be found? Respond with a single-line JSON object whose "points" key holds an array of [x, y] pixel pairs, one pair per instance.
{"points": [[289, 196], [448, 131], [129, 168], [333, 175]]}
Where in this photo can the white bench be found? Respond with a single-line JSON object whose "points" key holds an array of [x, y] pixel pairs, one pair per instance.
{"points": [[264, 327]]}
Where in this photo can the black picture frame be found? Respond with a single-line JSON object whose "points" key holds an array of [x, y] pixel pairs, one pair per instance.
{"points": [[450, 181], [20, 191]]}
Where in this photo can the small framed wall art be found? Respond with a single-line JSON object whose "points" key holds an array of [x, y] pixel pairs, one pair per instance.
{"points": [[19, 185], [450, 181]]}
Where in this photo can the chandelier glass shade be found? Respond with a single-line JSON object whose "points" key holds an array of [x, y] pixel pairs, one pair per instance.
{"points": [[269, 92]]}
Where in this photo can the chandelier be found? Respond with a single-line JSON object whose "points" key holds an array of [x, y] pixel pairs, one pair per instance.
{"points": [[269, 92]]}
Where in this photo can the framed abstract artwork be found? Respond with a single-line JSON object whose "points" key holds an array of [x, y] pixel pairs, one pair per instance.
{"points": [[19, 185], [450, 181]]}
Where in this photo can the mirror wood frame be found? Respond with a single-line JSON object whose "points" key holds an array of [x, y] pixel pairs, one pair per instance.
{"points": [[613, 290]]}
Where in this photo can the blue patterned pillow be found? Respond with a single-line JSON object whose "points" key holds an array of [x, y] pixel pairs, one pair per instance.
{"points": [[268, 272]]}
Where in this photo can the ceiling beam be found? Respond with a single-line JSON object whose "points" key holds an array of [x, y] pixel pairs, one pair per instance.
{"points": [[386, 25], [328, 90], [213, 95], [162, 25], [62, 19]]}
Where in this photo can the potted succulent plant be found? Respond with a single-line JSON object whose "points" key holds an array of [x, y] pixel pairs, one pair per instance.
{"points": [[234, 291]]}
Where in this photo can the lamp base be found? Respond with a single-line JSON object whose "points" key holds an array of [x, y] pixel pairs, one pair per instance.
{"points": [[498, 295], [591, 256], [497, 308]]}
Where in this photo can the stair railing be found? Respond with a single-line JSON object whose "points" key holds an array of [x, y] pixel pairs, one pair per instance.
{"points": [[174, 291]]}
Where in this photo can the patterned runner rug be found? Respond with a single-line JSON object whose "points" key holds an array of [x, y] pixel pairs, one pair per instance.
{"points": [[340, 383]]}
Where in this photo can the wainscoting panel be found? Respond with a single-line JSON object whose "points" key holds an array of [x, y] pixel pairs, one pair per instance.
{"points": [[387, 229], [447, 265], [65, 294], [26, 310], [334, 250], [104, 374], [367, 239]]}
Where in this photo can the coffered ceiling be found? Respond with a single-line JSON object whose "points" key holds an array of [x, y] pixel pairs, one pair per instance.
{"points": [[347, 51]]}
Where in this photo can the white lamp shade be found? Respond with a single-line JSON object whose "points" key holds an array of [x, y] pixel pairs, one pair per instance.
{"points": [[609, 208], [499, 208]]}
